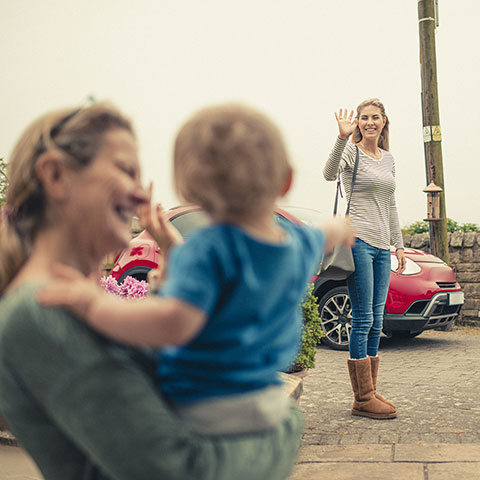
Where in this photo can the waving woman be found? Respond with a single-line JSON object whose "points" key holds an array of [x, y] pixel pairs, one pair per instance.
{"points": [[374, 215]]}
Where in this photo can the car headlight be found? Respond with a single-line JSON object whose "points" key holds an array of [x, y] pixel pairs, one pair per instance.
{"points": [[411, 269]]}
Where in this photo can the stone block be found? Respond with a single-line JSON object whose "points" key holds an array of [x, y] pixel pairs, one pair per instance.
{"points": [[469, 322], [407, 240], [469, 313], [457, 240], [420, 241], [470, 276], [467, 267], [469, 239], [454, 256], [466, 255], [470, 304], [472, 290]]}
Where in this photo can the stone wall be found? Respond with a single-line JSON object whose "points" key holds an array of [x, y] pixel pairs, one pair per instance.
{"points": [[464, 250]]}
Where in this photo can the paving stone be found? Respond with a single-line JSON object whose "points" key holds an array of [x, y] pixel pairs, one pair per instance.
{"points": [[453, 471], [357, 471], [437, 453], [340, 453]]}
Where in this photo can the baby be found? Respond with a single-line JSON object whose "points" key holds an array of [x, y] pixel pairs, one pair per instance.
{"points": [[228, 318]]}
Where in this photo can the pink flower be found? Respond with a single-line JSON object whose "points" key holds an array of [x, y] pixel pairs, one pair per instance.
{"points": [[129, 288]]}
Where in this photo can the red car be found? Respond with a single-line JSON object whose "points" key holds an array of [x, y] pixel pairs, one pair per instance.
{"points": [[425, 296]]}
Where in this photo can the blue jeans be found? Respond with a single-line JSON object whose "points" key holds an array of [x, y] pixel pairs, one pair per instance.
{"points": [[367, 288]]}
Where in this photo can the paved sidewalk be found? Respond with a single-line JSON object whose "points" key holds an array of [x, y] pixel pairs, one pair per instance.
{"points": [[434, 381]]}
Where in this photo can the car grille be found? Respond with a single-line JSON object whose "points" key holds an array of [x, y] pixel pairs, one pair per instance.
{"points": [[417, 307], [440, 321], [446, 284], [443, 309]]}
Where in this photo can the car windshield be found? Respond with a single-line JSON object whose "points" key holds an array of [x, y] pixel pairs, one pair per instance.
{"points": [[308, 216], [189, 222]]}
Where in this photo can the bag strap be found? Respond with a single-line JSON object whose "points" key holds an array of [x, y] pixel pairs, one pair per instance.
{"points": [[339, 186], [354, 177]]}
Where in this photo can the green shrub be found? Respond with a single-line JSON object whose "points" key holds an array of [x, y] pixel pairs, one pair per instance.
{"points": [[470, 227], [312, 332], [416, 227], [452, 227]]}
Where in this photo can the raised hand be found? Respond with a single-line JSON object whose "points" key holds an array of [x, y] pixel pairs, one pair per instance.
{"points": [[346, 126], [154, 220]]}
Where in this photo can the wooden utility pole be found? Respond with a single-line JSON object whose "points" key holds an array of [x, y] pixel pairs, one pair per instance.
{"points": [[432, 134]]}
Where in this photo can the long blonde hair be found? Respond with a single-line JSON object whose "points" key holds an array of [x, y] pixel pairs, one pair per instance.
{"points": [[383, 141], [77, 135]]}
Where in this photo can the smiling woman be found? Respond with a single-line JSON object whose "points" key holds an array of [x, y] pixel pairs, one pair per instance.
{"points": [[374, 214], [81, 405], [53, 181]]}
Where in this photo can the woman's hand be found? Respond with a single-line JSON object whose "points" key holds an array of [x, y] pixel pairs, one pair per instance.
{"points": [[402, 261], [154, 220], [345, 124]]}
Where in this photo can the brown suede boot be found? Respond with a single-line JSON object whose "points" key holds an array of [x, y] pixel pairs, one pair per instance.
{"points": [[365, 403], [374, 362]]}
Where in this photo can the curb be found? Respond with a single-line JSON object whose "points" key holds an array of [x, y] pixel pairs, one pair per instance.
{"points": [[388, 461]]}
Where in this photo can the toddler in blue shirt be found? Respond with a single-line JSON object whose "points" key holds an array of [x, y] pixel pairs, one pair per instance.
{"points": [[228, 318]]}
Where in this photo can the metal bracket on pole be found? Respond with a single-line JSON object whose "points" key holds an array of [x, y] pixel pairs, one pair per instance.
{"points": [[428, 19]]}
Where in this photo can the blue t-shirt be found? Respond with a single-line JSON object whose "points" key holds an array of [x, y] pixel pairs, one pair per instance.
{"points": [[251, 292]]}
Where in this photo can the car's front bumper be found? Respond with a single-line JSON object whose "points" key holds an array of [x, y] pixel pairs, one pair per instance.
{"points": [[439, 311]]}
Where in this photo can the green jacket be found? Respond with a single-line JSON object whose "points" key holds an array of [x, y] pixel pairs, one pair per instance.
{"points": [[84, 409]]}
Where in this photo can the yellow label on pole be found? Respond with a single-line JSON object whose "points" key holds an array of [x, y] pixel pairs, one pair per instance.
{"points": [[436, 133], [427, 134]]}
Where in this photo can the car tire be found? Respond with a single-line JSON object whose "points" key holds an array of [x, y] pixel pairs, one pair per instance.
{"points": [[336, 318], [139, 273]]}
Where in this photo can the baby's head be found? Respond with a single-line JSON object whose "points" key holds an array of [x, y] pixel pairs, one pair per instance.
{"points": [[231, 160]]}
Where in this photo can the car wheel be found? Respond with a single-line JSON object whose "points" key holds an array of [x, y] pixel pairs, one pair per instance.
{"points": [[336, 318], [139, 273]]}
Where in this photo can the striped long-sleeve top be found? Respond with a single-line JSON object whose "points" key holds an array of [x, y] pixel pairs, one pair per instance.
{"points": [[372, 208]]}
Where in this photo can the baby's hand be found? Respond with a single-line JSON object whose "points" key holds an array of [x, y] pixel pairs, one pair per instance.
{"points": [[339, 231], [156, 276], [154, 220], [71, 290]]}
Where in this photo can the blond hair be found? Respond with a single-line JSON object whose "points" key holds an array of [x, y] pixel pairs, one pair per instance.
{"points": [[383, 141], [77, 135], [230, 159]]}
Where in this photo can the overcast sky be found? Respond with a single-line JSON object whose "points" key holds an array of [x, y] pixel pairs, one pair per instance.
{"points": [[298, 61]]}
